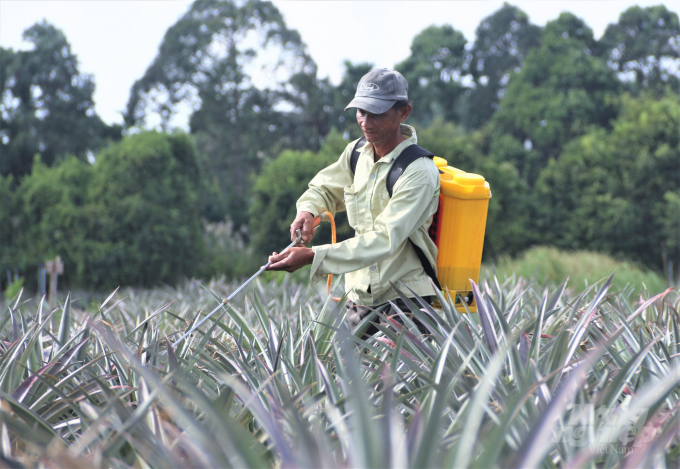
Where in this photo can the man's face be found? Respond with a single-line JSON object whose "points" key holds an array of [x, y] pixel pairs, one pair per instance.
{"points": [[378, 128]]}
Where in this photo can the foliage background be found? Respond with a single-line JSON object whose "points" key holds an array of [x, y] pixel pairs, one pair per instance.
{"points": [[577, 136]]}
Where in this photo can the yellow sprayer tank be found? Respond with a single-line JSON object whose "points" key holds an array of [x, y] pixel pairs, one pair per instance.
{"points": [[459, 231]]}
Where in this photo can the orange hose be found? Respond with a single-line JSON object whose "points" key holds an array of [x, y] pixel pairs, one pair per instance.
{"points": [[334, 239]]}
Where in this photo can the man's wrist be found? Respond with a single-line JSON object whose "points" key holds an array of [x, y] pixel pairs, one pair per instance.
{"points": [[309, 255], [305, 210]]}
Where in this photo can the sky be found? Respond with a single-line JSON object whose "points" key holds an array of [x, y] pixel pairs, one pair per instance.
{"points": [[116, 40]]}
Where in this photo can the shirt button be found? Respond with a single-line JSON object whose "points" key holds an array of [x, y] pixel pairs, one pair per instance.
{"points": [[368, 206], [372, 176], [372, 267]]}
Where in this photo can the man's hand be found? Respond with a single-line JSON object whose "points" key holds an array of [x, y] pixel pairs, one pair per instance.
{"points": [[292, 259], [303, 222]]}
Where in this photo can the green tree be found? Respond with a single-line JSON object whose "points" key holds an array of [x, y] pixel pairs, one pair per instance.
{"points": [[7, 216], [434, 71], [278, 186], [503, 40], [508, 216], [670, 249], [646, 43], [146, 188], [206, 58], [56, 217], [564, 89], [46, 104], [614, 191], [313, 97], [131, 219], [216, 64]]}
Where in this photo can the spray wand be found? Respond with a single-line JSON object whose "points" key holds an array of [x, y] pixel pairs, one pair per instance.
{"points": [[298, 240]]}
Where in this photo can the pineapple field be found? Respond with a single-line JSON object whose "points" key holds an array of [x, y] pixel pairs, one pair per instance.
{"points": [[540, 376], [570, 355]]}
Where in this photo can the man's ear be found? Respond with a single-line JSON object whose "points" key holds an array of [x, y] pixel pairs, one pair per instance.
{"points": [[404, 112]]}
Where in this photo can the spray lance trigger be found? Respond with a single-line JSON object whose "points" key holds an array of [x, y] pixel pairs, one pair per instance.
{"points": [[298, 239]]}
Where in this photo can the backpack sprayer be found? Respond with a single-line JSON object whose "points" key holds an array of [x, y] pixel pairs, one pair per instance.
{"points": [[457, 229]]}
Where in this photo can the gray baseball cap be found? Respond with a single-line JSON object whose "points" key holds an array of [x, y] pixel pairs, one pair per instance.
{"points": [[378, 90]]}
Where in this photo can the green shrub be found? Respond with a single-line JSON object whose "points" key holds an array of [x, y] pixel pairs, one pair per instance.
{"points": [[550, 265], [13, 289], [278, 186], [56, 217], [129, 219], [145, 188]]}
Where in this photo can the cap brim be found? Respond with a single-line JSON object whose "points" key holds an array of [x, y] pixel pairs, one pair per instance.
{"points": [[372, 105]]}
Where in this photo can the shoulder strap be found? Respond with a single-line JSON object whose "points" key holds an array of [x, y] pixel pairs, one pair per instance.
{"points": [[408, 156], [429, 271], [405, 158], [355, 154]]}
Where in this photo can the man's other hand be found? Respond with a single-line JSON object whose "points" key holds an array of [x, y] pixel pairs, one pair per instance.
{"points": [[303, 222], [291, 260]]}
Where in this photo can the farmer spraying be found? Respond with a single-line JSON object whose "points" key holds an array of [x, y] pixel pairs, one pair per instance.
{"points": [[389, 208], [417, 221]]}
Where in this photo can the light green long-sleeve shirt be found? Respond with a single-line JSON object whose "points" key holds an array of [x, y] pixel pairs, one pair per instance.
{"points": [[380, 251]]}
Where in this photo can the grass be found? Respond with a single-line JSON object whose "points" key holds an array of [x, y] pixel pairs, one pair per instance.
{"points": [[542, 376], [582, 268]]}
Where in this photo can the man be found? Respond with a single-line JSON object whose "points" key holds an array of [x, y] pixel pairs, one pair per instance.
{"points": [[380, 251]]}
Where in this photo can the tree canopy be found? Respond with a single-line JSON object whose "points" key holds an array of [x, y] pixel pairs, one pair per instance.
{"points": [[230, 67], [616, 190], [434, 71], [46, 105], [577, 136], [131, 219], [646, 43], [502, 42], [564, 88]]}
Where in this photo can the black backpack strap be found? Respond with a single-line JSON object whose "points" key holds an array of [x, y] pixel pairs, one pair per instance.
{"points": [[429, 270], [355, 154], [408, 156]]}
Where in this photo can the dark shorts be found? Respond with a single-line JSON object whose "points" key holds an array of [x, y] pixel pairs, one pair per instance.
{"points": [[355, 313]]}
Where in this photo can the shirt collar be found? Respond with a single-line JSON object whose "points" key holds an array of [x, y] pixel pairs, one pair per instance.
{"points": [[407, 132]]}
